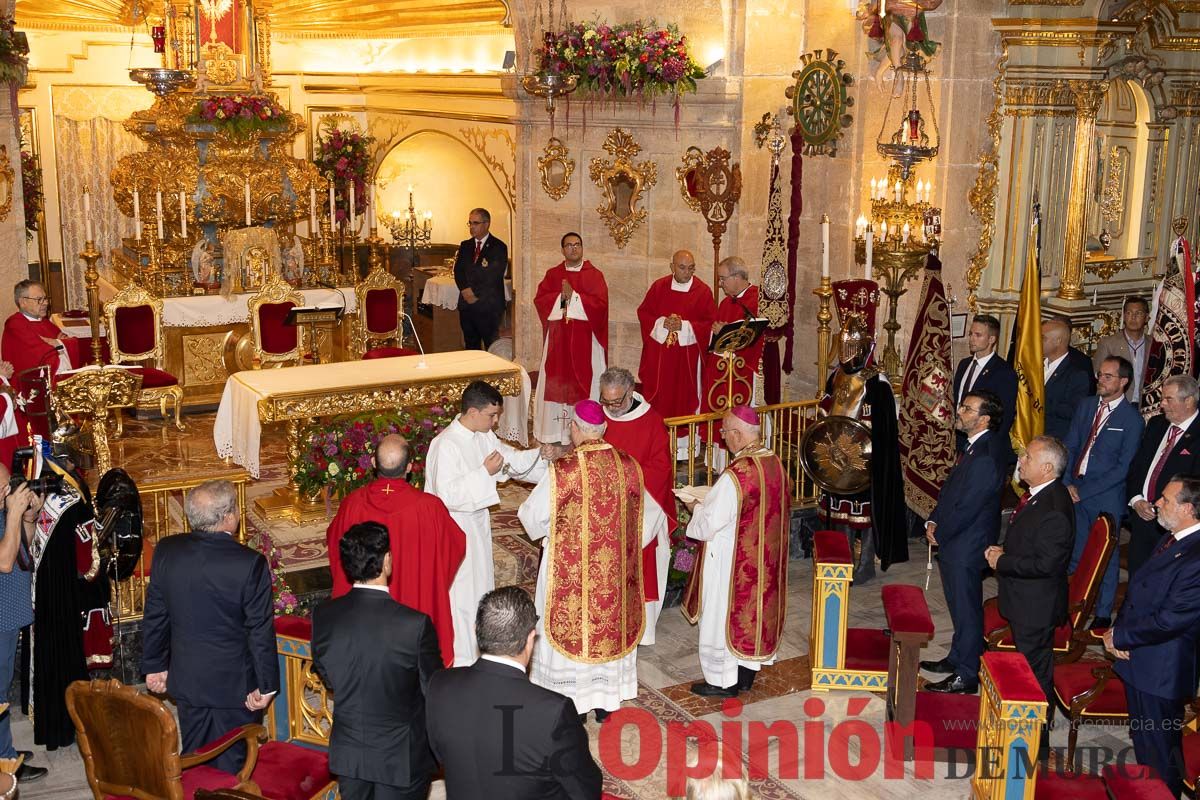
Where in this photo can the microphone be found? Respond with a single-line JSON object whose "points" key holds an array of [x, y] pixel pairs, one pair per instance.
{"points": [[338, 289], [420, 364]]}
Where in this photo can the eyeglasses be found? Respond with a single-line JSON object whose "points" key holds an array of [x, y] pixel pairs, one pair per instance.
{"points": [[965, 407], [42, 299], [615, 403], [471, 222]]}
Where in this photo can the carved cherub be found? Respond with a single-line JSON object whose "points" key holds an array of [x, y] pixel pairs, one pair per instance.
{"points": [[892, 30]]}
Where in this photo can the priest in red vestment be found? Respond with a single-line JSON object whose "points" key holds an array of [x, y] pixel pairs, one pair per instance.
{"points": [[676, 317], [572, 303], [31, 340], [740, 302], [638, 430], [427, 544]]}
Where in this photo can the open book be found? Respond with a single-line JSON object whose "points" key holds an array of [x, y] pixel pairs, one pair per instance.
{"points": [[689, 494]]}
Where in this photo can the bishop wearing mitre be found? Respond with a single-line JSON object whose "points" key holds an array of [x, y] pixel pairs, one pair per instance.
{"points": [[676, 317], [572, 303], [593, 514]]}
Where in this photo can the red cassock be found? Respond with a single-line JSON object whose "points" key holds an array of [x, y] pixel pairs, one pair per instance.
{"points": [[669, 371], [568, 371], [427, 548], [645, 438], [712, 387], [21, 345]]}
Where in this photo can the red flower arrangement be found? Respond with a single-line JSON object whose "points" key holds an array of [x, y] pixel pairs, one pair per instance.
{"points": [[241, 114], [634, 59], [345, 157]]}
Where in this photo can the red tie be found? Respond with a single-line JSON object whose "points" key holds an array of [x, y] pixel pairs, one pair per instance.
{"points": [[1172, 438], [1024, 501], [478, 250], [1096, 423], [1165, 544]]}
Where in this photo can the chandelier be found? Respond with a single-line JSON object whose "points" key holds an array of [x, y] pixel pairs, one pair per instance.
{"points": [[910, 117]]}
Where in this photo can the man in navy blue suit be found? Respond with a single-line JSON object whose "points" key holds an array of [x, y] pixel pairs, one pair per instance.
{"points": [[479, 271], [1154, 639], [964, 522], [984, 369], [208, 632], [1067, 381], [1101, 443]]}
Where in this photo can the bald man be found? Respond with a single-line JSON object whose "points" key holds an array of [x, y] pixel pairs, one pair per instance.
{"points": [[1067, 379], [427, 545], [676, 318], [738, 589]]}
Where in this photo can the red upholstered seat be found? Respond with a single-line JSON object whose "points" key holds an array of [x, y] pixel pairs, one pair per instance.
{"points": [[277, 337], [906, 609], [1134, 782], [154, 378], [1072, 680], [389, 352], [1191, 759], [831, 547], [1012, 677], [135, 329], [953, 719], [383, 311], [1053, 785], [201, 777], [288, 771], [867, 649], [294, 627]]}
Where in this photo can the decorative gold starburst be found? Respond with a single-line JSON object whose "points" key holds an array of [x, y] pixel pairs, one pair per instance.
{"points": [[213, 11], [839, 455]]}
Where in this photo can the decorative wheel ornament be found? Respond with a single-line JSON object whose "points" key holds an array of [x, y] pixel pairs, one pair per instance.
{"points": [[819, 101]]}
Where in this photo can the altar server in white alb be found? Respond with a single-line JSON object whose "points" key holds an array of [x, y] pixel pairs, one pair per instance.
{"points": [[465, 464], [738, 590], [593, 511]]}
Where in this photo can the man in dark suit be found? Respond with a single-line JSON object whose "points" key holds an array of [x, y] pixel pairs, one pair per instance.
{"points": [[1067, 379], [376, 656], [964, 522], [479, 273], [1170, 446], [1155, 637], [1103, 438], [1031, 567], [208, 632], [497, 735], [985, 370]]}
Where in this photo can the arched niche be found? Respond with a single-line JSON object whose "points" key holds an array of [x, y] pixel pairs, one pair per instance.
{"points": [[448, 178], [1122, 160]]}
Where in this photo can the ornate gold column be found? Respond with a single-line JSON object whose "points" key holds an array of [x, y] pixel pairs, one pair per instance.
{"points": [[1087, 96]]}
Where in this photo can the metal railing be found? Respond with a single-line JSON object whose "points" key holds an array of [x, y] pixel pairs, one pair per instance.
{"points": [[162, 513], [696, 441]]}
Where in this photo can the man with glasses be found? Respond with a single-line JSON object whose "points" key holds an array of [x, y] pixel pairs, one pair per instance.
{"points": [[479, 273], [30, 339], [572, 304], [740, 302]]}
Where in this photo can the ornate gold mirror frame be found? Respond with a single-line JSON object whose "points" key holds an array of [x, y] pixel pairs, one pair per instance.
{"points": [[556, 169], [623, 183], [687, 175], [7, 178]]}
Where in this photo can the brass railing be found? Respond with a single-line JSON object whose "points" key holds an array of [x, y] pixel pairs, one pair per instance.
{"points": [[783, 426], [162, 512]]}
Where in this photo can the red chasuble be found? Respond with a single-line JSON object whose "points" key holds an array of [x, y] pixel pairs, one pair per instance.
{"points": [[669, 370], [595, 609], [22, 345], [427, 548], [568, 343], [758, 579], [643, 435]]}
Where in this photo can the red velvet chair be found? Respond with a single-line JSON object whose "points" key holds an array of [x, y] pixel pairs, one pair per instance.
{"points": [[1090, 691], [134, 318], [1191, 759], [380, 299], [274, 343], [129, 743], [1134, 782], [1071, 638]]}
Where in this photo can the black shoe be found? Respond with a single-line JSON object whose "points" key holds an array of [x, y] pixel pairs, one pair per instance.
{"points": [[746, 678], [955, 684], [601, 714], [705, 689], [28, 754], [1100, 623], [28, 774], [943, 667]]}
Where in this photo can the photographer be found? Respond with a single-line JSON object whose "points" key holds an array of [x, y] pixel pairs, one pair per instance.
{"points": [[16, 607]]}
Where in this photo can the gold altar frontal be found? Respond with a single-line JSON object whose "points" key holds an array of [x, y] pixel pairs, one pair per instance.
{"points": [[298, 395]]}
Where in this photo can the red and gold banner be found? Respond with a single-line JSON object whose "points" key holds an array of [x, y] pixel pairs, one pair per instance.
{"points": [[595, 610]]}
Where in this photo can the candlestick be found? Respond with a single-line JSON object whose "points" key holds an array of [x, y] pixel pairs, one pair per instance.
{"points": [[904, 232], [824, 245], [870, 253], [860, 227], [158, 212], [312, 210], [182, 214], [428, 220], [883, 231], [246, 186], [332, 214], [137, 215], [897, 191], [87, 214], [874, 188], [350, 191]]}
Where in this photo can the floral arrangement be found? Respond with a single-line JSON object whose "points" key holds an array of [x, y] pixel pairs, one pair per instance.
{"points": [[31, 187], [286, 602], [683, 550], [345, 158], [240, 114], [337, 454], [636, 58], [14, 53]]}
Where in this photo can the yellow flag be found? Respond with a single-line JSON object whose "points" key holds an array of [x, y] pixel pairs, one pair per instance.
{"points": [[1031, 389]]}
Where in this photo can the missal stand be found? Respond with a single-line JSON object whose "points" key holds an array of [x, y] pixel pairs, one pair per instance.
{"points": [[731, 339], [314, 317]]}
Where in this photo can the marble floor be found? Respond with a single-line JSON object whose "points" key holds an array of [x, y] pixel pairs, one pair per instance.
{"points": [[641, 755]]}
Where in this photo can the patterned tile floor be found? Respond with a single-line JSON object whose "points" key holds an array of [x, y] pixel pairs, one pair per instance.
{"points": [[638, 752]]}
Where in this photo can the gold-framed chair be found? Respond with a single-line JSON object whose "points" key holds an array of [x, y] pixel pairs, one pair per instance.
{"points": [[134, 318], [380, 302], [273, 343]]}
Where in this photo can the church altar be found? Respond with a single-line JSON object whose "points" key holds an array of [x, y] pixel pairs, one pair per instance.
{"points": [[295, 395]]}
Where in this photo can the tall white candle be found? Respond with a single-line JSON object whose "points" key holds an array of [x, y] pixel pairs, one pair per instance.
{"points": [[137, 215], [860, 227], [824, 246], [182, 214], [874, 188], [312, 210], [350, 191], [870, 253], [897, 191], [87, 214], [246, 186], [158, 212], [904, 232], [332, 211]]}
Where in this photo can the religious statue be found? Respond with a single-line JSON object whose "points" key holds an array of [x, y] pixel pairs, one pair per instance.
{"points": [[293, 262], [204, 263], [901, 23]]}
